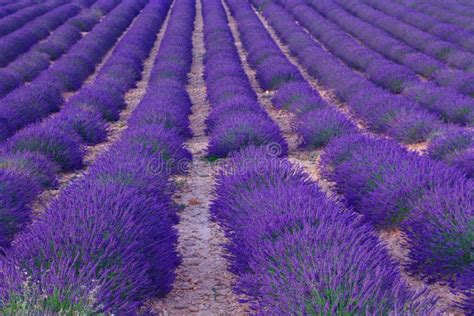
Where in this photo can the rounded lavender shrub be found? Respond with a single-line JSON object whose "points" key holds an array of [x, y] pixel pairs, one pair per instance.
{"points": [[168, 117], [35, 165], [464, 161], [86, 122], [298, 97], [232, 107], [275, 71], [99, 258], [281, 228], [380, 179], [16, 191], [440, 230], [240, 131], [412, 126], [56, 144], [318, 127], [166, 144]]}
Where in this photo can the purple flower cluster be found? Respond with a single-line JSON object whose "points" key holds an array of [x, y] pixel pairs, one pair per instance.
{"points": [[393, 188], [398, 78], [17, 20], [404, 54], [447, 32], [456, 147], [296, 252], [60, 139], [315, 122], [30, 103], [13, 7], [422, 41], [108, 244], [28, 66], [18, 42], [382, 111], [236, 120], [449, 12]]}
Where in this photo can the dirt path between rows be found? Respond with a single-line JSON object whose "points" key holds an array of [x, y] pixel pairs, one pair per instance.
{"points": [[395, 241], [203, 285], [114, 129]]}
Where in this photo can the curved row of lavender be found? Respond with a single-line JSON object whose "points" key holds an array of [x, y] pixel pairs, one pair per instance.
{"points": [[107, 244], [315, 121], [394, 188], [421, 41], [382, 111], [447, 32], [18, 42], [17, 20], [26, 66], [43, 96], [37, 154], [450, 105], [443, 11], [398, 51], [431, 203], [236, 119], [14, 6], [295, 252]]}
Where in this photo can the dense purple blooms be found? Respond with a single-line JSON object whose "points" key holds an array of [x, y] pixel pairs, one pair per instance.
{"points": [[393, 187], [58, 145], [294, 251], [108, 244], [16, 191], [318, 127], [456, 147], [228, 87]]}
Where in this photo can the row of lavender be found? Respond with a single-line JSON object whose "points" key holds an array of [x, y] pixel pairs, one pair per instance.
{"points": [[44, 95], [34, 157], [424, 170], [447, 32], [382, 111], [431, 45], [315, 121], [276, 219], [394, 188], [444, 11], [11, 8], [107, 244], [236, 118], [25, 66], [446, 102], [426, 93], [15, 21]]}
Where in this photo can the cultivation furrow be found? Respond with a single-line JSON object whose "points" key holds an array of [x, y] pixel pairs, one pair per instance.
{"points": [[203, 282], [396, 78], [447, 32], [23, 17], [8, 8], [45, 95], [119, 247], [114, 129], [460, 203], [395, 49], [18, 42], [310, 163], [27, 66], [40, 153], [422, 41], [447, 12]]}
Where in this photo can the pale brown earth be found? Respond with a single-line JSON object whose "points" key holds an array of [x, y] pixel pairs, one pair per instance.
{"points": [[114, 129], [203, 285], [309, 161]]}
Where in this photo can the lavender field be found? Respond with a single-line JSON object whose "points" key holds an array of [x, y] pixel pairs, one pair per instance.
{"points": [[236, 157]]}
